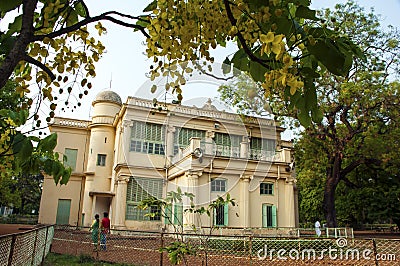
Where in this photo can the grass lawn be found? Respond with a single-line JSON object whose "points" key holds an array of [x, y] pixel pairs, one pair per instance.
{"points": [[53, 259]]}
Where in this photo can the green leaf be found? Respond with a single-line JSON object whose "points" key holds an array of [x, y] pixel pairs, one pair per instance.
{"points": [[317, 115], [7, 44], [305, 12], [22, 147], [304, 118], [257, 71], [72, 18], [142, 22], [309, 73], [286, 26], [15, 26], [80, 9], [8, 5], [151, 6], [329, 55], [48, 143], [226, 66], [310, 96], [240, 60], [255, 5]]}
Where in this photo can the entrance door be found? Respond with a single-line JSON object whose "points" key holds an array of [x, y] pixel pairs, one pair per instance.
{"points": [[63, 210], [268, 215]]}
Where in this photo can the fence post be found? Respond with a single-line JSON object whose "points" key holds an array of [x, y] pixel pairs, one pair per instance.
{"points": [[10, 256], [161, 246], [375, 252], [45, 244], [34, 247], [250, 248]]}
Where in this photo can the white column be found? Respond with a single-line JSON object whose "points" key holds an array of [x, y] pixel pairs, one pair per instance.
{"points": [[244, 206], [244, 147], [169, 152], [120, 202], [126, 141], [193, 187], [209, 142], [290, 203]]}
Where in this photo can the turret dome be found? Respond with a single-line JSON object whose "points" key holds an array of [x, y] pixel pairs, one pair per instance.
{"points": [[108, 96]]}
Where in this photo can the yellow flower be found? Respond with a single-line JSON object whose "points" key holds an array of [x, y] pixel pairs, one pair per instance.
{"points": [[272, 43], [267, 38]]}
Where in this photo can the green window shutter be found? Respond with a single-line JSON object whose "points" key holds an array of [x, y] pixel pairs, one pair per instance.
{"points": [[226, 214], [70, 160], [264, 216], [273, 216], [178, 214], [168, 214], [214, 217]]}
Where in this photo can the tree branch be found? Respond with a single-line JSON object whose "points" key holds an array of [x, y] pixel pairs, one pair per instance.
{"points": [[241, 38], [39, 64], [88, 20]]}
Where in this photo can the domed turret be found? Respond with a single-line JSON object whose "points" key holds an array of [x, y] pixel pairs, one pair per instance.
{"points": [[106, 104], [107, 96]]}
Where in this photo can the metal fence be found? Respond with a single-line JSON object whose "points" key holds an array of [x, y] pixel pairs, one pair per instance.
{"points": [[27, 248], [143, 248]]}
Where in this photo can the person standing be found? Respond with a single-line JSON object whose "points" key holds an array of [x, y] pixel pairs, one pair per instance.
{"points": [[105, 229], [94, 228], [318, 228]]}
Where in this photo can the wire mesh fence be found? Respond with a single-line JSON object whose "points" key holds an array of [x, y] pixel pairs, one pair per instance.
{"points": [[26, 248], [150, 248]]}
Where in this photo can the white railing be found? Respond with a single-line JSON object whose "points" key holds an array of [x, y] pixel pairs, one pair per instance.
{"points": [[212, 149], [195, 111], [70, 122]]}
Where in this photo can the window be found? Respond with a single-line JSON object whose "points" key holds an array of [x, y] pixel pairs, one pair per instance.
{"points": [[69, 158], [221, 215], [261, 148], [227, 145], [266, 189], [147, 138], [101, 159], [138, 190], [178, 214], [182, 137], [218, 185], [268, 215]]}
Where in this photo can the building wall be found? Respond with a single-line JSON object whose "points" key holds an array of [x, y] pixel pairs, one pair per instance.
{"points": [[52, 194], [71, 134], [95, 188]]}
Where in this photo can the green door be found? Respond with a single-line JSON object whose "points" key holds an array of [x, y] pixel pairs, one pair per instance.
{"points": [[63, 209]]}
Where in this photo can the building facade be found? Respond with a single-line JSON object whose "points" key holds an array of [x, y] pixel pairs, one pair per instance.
{"points": [[128, 152]]}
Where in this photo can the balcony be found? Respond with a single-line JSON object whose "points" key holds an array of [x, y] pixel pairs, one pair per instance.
{"points": [[221, 151]]}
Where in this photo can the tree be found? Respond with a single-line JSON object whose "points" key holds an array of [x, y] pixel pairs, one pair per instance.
{"points": [[45, 45], [355, 108], [179, 249], [281, 43]]}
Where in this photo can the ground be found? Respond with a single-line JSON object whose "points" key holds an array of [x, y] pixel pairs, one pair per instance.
{"points": [[14, 228]]}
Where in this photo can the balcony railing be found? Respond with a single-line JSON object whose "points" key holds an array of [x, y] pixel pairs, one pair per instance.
{"points": [[212, 149]]}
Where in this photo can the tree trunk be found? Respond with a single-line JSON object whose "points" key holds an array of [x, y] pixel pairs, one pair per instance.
{"points": [[332, 180], [19, 48]]}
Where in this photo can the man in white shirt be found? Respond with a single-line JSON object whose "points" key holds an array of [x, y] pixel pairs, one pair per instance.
{"points": [[318, 228]]}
